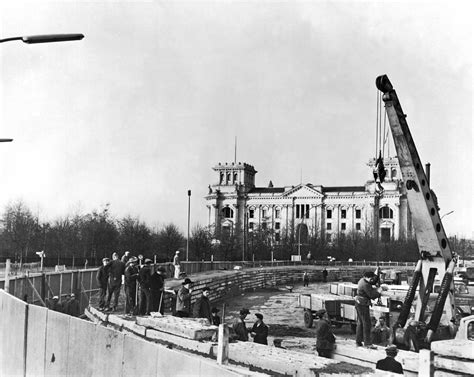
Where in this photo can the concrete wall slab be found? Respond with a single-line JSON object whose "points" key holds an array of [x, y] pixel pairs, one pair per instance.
{"points": [[108, 352], [36, 345], [57, 341], [81, 351], [139, 357], [13, 336]]}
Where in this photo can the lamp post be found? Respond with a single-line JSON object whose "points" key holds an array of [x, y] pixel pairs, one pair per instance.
{"points": [[189, 215]]}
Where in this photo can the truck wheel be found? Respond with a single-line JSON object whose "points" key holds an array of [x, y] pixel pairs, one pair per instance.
{"points": [[353, 328], [308, 318]]}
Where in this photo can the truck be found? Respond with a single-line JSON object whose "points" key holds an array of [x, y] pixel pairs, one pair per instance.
{"points": [[340, 305]]}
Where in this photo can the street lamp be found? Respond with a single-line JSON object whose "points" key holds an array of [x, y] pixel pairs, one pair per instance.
{"points": [[47, 38], [446, 214]]}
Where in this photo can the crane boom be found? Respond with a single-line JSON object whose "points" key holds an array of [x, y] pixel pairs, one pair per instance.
{"points": [[436, 257]]}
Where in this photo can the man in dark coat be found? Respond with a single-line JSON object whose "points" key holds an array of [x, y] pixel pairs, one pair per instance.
{"points": [[157, 284], [183, 299], [365, 293], [102, 278], [389, 364], [72, 307], [144, 276], [116, 271], [259, 330], [131, 277], [202, 307], [216, 320], [239, 327], [324, 337]]}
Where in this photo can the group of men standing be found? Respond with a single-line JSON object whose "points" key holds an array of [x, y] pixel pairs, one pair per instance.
{"points": [[143, 286]]}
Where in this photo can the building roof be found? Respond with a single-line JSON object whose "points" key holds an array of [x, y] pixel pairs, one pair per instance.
{"points": [[267, 190], [343, 189]]}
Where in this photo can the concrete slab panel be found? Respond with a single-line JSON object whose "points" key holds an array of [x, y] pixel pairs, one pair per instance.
{"points": [[13, 334], [139, 357], [108, 352], [36, 343], [57, 341], [81, 354], [171, 363]]}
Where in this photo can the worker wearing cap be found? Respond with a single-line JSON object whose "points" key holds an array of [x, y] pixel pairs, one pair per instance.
{"points": [[202, 306], [389, 364], [157, 285], [365, 293], [177, 265], [102, 278], [216, 319], [116, 271], [259, 331], [144, 276], [324, 337], [131, 277], [183, 299], [239, 326]]}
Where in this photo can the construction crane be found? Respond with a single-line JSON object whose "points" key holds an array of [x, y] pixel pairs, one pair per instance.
{"points": [[435, 313]]}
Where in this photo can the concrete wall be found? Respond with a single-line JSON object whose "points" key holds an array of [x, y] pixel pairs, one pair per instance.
{"points": [[35, 341]]}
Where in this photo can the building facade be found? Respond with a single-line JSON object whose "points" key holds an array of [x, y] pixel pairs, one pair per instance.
{"points": [[237, 207]]}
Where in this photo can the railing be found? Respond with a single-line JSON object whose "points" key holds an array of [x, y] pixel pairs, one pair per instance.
{"points": [[37, 287]]}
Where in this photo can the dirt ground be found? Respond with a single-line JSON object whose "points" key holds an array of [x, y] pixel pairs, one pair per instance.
{"points": [[281, 313]]}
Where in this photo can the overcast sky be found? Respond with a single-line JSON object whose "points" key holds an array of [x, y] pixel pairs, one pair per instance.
{"points": [[140, 110]]}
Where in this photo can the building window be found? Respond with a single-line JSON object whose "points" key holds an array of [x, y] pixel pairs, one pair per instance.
{"points": [[228, 212], [277, 237], [302, 211], [250, 226], [329, 214], [227, 178], [357, 226], [251, 213], [277, 213], [264, 226], [235, 177], [328, 226], [264, 212], [386, 213], [277, 225], [221, 179], [226, 231], [343, 213], [343, 226], [358, 213]]}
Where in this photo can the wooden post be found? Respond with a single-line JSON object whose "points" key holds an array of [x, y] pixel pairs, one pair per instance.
{"points": [[426, 362], [223, 345], [7, 276]]}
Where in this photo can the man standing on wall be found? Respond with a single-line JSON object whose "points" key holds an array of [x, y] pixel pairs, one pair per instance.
{"points": [[177, 265], [202, 307], [131, 277], [239, 326], [183, 299], [145, 296], [157, 284], [102, 278], [116, 271]]}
